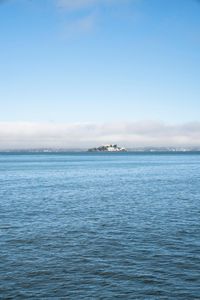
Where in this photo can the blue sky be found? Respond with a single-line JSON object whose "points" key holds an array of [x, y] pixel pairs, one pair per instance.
{"points": [[100, 61]]}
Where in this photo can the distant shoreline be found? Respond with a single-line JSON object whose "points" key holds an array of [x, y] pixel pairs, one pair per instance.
{"points": [[83, 151]]}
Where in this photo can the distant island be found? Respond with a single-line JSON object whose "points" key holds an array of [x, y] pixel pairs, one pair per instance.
{"points": [[107, 148]]}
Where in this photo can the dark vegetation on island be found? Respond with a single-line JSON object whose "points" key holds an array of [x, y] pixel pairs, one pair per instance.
{"points": [[108, 148]]}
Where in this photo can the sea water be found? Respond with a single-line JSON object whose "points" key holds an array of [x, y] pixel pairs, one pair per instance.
{"points": [[100, 226]]}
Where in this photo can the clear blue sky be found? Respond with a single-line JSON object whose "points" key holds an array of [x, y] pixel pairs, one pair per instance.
{"points": [[100, 61]]}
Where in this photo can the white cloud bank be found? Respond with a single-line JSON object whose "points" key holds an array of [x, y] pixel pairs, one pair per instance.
{"points": [[21, 135]]}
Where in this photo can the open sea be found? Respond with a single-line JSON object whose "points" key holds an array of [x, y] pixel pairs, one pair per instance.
{"points": [[100, 226]]}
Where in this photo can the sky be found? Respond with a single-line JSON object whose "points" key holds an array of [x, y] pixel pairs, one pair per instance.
{"points": [[76, 73]]}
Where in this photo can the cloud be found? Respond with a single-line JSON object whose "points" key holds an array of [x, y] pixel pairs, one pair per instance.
{"points": [[22, 135], [80, 26], [75, 4], [82, 15], [82, 4]]}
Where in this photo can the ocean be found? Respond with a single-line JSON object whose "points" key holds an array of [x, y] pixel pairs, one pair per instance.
{"points": [[100, 226]]}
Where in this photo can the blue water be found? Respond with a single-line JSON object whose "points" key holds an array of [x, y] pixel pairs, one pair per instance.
{"points": [[100, 226]]}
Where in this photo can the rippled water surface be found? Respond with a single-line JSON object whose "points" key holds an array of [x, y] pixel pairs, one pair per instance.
{"points": [[97, 226]]}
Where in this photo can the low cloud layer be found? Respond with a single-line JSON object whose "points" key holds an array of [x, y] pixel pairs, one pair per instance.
{"points": [[23, 135]]}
